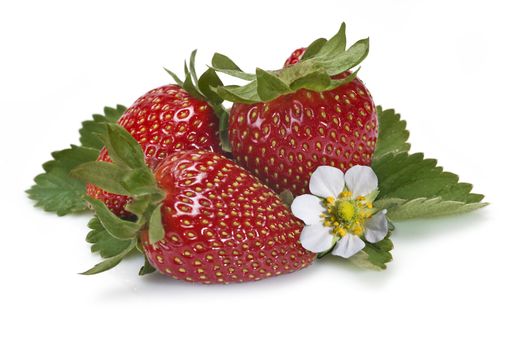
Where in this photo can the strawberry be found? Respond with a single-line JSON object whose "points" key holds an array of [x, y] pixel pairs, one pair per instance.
{"points": [[221, 224], [164, 120], [321, 115], [200, 217]]}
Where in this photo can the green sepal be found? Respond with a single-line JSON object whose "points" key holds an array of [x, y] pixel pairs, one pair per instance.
{"points": [[102, 242], [116, 227], [242, 94], [190, 86], [338, 82], [322, 60], [269, 86], [156, 227], [147, 268], [208, 80], [112, 261], [347, 60], [140, 181], [315, 81], [175, 77], [224, 64], [313, 48], [122, 148], [107, 176], [335, 45]]}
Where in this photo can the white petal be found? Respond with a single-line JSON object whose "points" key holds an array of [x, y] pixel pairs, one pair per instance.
{"points": [[326, 181], [316, 238], [361, 180], [348, 246], [377, 227], [307, 208]]}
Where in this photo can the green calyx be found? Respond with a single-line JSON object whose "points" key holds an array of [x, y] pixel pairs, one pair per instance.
{"points": [[322, 60], [204, 88], [129, 175]]}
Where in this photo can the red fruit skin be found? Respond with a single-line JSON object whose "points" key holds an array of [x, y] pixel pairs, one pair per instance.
{"points": [[221, 224], [283, 141], [295, 57], [163, 121]]}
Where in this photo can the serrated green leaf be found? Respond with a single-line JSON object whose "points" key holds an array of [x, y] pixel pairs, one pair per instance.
{"points": [[392, 134], [269, 86], [156, 227], [92, 128], [55, 190], [313, 48], [116, 227], [224, 64], [374, 255], [428, 208], [335, 45], [102, 242], [412, 176], [111, 262], [107, 176]]}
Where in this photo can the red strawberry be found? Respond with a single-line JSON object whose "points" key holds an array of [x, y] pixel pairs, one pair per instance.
{"points": [[163, 120], [221, 224], [284, 140]]}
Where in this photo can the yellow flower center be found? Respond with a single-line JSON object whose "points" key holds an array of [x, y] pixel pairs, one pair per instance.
{"points": [[346, 215]]}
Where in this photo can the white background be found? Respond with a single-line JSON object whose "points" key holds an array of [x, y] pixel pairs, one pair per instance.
{"points": [[452, 68]]}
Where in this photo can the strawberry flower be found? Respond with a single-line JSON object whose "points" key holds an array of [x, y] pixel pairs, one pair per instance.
{"points": [[339, 211]]}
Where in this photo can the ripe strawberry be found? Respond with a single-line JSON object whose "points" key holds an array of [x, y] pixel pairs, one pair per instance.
{"points": [[221, 224], [163, 120], [284, 140]]}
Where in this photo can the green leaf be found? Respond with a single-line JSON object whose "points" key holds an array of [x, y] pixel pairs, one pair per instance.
{"points": [[428, 208], [116, 227], [147, 268], [123, 149], [224, 64], [412, 176], [313, 48], [335, 45], [189, 86], [92, 128], [102, 242], [338, 82], [374, 255], [112, 261], [156, 227], [392, 134], [107, 176], [55, 190], [269, 86]]}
